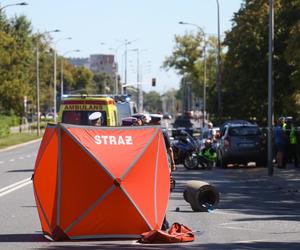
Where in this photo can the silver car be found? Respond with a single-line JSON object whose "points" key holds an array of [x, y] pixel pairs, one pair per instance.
{"points": [[241, 144]]}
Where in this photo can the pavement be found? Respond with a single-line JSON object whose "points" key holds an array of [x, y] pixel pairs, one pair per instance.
{"points": [[256, 211]]}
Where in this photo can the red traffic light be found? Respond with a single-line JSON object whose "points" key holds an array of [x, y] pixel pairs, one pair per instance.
{"points": [[153, 82]]}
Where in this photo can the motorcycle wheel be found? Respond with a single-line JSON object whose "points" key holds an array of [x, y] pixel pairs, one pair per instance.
{"points": [[190, 162]]}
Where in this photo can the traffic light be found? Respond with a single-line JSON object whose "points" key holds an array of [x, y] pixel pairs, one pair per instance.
{"points": [[153, 82]]}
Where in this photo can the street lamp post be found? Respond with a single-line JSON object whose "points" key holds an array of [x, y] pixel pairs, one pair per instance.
{"points": [[219, 106], [13, 4], [205, 68], [126, 43], [54, 76], [138, 84], [116, 68], [62, 71], [38, 81], [270, 87]]}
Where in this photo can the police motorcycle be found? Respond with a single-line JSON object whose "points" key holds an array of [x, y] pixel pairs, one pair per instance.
{"points": [[184, 145], [206, 157]]}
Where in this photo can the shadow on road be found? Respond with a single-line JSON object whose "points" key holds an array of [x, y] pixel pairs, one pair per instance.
{"points": [[20, 171], [22, 238], [103, 244], [249, 190]]}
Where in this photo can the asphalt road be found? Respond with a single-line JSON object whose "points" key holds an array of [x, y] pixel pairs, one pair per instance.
{"points": [[255, 211]]}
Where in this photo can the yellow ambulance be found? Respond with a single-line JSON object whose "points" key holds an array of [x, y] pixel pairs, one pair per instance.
{"points": [[75, 109]]}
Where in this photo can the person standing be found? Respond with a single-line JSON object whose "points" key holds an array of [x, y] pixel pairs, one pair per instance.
{"points": [[279, 137], [293, 138], [95, 119], [156, 120]]}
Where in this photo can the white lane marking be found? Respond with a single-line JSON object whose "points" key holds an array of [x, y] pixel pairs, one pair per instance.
{"points": [[11, 160], [15, 186], [241, 228], [1, 162]]}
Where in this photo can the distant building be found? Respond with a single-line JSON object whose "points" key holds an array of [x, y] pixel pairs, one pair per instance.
{"points": [[98, 63], [79, 62]]}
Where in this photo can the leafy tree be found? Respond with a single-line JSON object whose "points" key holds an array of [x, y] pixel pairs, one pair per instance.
{"points": [[15, 64], [152, 102], [83, 78], [245, 75], [188, 60], [68, 80], [103, 83], [169, 102]]}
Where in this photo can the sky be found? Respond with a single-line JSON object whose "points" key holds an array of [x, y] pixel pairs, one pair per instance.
{"points": [[99, 27]]}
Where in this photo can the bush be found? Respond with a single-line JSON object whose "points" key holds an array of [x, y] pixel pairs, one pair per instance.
{"points": [[6, 122]]}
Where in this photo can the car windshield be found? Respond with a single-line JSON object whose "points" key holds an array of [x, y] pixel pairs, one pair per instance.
{"points": [[81, 117], [242, 131]]}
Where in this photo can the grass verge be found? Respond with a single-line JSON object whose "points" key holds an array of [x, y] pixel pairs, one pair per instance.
{"points": [[17, 138]]}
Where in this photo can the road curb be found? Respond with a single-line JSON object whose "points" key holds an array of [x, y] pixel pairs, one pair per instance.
{"points": [[20, 145]]}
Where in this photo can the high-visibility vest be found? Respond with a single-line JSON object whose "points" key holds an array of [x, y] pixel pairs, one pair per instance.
{"points": [[210, 154], [293, 136], [284, 126]]}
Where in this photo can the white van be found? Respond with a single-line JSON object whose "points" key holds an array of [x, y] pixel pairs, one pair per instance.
{"points": [[125, 109]]}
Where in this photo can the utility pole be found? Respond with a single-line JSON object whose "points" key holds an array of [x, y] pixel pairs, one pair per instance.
{"points": [[270, 88], [219, 105]]}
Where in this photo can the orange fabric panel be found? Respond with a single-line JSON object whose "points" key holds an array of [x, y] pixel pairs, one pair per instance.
{"points": [[114, 157], [83, 181], [44, 224], [114, 215], [163, 187], [45, 176], [139, 183], [50, 130]]}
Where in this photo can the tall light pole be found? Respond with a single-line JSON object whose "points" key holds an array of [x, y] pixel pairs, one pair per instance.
{"points": [[138, 83], [13, 4], [205, 68], [270, 87], [116, 68], [54, 76], [126, 43], [219, 106], [62, 71], [38, 80]]}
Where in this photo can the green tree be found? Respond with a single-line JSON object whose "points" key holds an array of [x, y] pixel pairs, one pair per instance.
{"points": [[188, 60], [15, 64], [83, 80], [152, 102], [103, 83], [245, 75]]}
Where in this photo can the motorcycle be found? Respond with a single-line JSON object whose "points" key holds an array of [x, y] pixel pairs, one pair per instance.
{"points": [[183, 147], [206, 157]]}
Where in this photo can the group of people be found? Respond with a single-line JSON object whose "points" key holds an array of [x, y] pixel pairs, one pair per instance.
{"points": [[286, 143]]}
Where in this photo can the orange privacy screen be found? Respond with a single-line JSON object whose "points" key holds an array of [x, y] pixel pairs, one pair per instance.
{"points": [[100, 182]]}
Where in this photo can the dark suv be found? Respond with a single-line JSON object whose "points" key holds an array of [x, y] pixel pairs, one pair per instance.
{"points": [[242, 143]]}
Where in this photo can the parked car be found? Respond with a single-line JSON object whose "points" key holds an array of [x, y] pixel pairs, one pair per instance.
{"points": [[242, 143], [167, 116]]}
